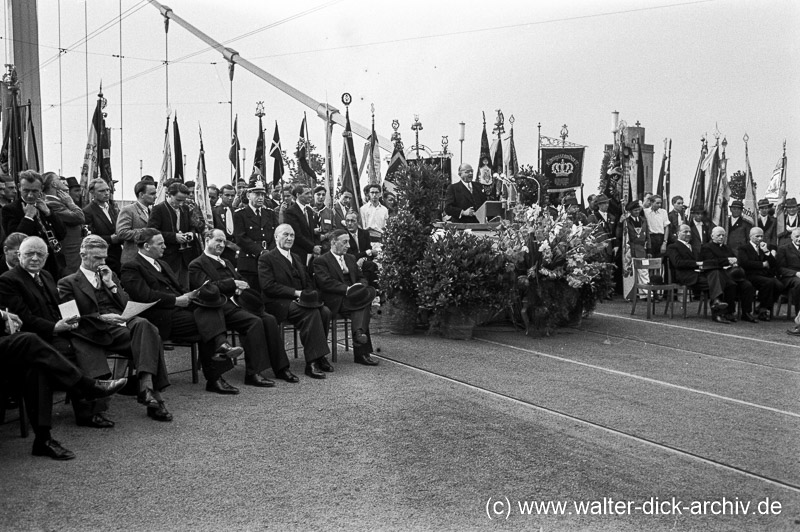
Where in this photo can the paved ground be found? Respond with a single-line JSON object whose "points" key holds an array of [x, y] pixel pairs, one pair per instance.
{"points": [[628, 416]]}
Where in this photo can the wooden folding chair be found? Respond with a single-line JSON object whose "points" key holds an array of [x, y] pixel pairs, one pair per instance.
{"points": [[652, 266]]}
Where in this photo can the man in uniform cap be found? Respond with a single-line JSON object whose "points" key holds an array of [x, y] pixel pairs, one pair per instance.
{"points": [[253, 228]]}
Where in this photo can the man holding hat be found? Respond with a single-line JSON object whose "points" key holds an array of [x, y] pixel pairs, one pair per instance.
{"points": [[253, 227], [289, 296], [701, 229], [738, 227], [345, 292], [768, 223], [790, 221], [211, 268]]}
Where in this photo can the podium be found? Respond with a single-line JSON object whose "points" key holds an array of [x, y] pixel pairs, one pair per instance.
{"points": [[489, 211]]}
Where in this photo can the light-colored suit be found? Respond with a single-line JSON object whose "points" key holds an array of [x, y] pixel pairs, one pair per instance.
{"points": [[130, 222]]}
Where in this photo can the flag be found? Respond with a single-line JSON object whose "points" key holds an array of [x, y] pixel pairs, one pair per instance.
{"points": [[166, 167], [776, 190], [12, 156], [261, 152], [396, 163], [718, 204], [31, 149], [178, 150], [512, 167], [350, 165], [374, 161], [485, 159], [750, 209], [497, 158], [90, 167], [302, 151], [698, 191], [667, 188], [639, 170], [201, 198], [661, 175], [277, 154], [711, 178], [233, 153]]}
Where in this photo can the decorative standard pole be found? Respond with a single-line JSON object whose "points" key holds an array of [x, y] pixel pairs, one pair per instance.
{"points": [[564, 135], [417, 127], [461, 140], [539, 149], [396, 137], [243, 153], [141, 169]]}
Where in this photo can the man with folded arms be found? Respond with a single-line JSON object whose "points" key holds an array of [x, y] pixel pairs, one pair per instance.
{"points": [[345, 292], [288, 295], [262, 349], [149, 279], [101, 301], [30, 292], [716, 254], [39, 368], [687, 273], [760, 266]]}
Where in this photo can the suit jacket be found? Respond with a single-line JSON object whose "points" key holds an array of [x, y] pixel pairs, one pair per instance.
{"points": [[359, 246], [684, 262], [164, 218], [332, 282], [712, 253], [204, 268], [697, 243], [785, 237], [752, 261], [253, 236], [76, 286], [788, 261], [23, 296], [674, 225], [130, 222], [145, 284], [99, 224], [607, 227], [739, 233], [14, 220], [279, 280], [458, 198], [770, 231], [220, 214], [303, 230]]}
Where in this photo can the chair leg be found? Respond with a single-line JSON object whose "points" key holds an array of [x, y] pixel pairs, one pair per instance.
{"points": [[195, 364], [346, 336], [334, 341], [294, 331]]}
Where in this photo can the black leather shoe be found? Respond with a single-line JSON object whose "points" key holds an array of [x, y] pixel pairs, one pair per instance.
{"points": [[795, 331], [101, 389], [718, 305], [367, 360], [359, 337], [221, 387], [257, 380], [313, 371], [288, 376], [97, 421], [731, 318], [719, 319], [749, 317], [52, 449], [323, 364], [159, 412], [764, 314], [227, 352], [146, 397]]}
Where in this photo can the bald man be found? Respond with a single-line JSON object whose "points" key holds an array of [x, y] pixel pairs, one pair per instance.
{"points": [[462, 199], [761, 267], [789, 268], [716, 255]]}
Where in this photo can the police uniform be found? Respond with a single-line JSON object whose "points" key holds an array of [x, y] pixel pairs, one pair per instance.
{"points": [[254, 234]]}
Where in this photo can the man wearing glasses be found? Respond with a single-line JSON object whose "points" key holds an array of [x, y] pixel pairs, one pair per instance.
{"points": [[462, 199]]}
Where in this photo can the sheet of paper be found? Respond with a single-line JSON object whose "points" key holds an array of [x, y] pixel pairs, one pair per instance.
{"points": [[134, 308], [69, 309]]}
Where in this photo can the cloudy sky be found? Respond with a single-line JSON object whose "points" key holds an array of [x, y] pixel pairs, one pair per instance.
{"points": [[681, 68]]}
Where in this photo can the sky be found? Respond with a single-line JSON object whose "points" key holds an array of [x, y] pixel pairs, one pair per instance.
{"points": [[681, 68]]}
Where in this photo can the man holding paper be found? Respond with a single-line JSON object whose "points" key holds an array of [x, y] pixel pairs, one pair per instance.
{"points": [[101, 301]]}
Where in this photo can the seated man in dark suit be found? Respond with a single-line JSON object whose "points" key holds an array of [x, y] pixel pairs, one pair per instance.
{"points": [[39, 368], [101, 219], [688, 273], [211, 268], [345, 292], [148, 279], [789, 267], [760, 266], [96, 291], [30, 292], [717, 255], [288, 295], [462, 199]]}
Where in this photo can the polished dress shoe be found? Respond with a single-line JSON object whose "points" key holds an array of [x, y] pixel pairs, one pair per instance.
{"points": [[731, 318], [719, 319], [288, 376], [221, 387], [97, 421], [51, 448], [795, 331], [313, 371], [359, 337], [367, 360], [159, 412], [257, 380], [323, 364], [718, 305], [749, 317], [100, 389], [227, 352], [146, 397], [764, 314]]}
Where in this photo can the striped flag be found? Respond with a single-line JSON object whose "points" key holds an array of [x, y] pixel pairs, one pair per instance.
{"points": [[350, 166], [166, 167], [178, 149], [277, 154], [698, 191], [302, 152], [233, 153], [750, 210], [259, 158], [396, 163], [201, 198]]}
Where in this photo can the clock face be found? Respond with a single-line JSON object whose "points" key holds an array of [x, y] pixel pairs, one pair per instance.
{"points": [[346, 98]]}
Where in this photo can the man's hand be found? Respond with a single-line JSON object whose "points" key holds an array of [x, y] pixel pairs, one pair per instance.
{"points": [[297, 293], [68, 324], [181, 238], [115, 239], [317, 250], [12, 322], [106, 276], [30, 210], [241, 285], [42, 206], [113, 319], [468, 212], [183, 301], [732, 261]]}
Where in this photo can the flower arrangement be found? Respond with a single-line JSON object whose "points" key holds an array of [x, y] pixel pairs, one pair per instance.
{"points": [[527, 189], [420, 190]]}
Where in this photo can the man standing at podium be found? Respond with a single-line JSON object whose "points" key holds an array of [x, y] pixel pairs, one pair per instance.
{"points": [[464, 198]]}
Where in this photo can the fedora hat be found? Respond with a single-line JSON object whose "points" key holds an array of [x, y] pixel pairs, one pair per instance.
{"points": [[737, 203], [791, 202], [309, 299], [358, 296], [763, 203], [209, 296], [600, 199], [72, 183], [250, 300]]}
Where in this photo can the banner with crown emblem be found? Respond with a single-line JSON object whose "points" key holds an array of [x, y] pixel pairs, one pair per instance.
{"points": [[563, 167]]}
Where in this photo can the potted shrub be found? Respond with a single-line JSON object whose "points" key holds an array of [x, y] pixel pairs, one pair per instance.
{"points": [[460, 275]]}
